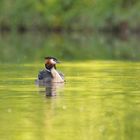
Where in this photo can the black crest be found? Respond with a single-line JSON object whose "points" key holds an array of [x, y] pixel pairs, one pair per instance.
{"points": [[51, 57]]}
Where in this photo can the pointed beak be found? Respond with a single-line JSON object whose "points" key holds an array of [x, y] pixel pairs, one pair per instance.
{"points": [[57, 61]]}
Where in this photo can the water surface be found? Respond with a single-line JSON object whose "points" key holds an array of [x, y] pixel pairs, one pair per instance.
{"points": [[100, 101]]}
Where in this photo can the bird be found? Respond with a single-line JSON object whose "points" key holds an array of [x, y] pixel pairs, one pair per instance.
{"points": [[50, 74]]}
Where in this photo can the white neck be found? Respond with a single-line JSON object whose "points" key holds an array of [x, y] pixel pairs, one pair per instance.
{"points": [[56, 76]]}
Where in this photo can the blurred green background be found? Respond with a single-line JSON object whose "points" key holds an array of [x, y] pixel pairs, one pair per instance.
{"points": [[69, 29], [31, 48], [68, 14]]}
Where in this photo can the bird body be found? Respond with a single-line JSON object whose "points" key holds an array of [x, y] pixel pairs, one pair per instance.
{"points": [[50, 74]]}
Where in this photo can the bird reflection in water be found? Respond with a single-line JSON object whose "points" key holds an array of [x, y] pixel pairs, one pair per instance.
{"points": [[50, 89]]}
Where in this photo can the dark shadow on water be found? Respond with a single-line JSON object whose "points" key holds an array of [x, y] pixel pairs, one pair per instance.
{"points": [[50, 89]]}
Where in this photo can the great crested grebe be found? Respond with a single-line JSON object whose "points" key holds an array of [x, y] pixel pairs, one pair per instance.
{"points": [[50, 74]]}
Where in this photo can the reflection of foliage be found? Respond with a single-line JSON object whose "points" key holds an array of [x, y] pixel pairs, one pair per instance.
{"points": [[73, 14], [68, 47]]}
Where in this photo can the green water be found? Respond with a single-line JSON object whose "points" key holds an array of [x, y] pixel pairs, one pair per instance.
{"points": [[99, 101]]}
